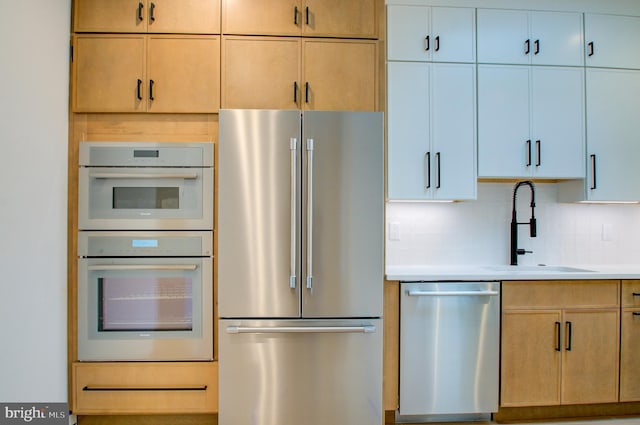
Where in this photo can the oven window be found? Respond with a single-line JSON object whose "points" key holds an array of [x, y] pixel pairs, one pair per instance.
{"points": [[145, 304], [163, 198]]}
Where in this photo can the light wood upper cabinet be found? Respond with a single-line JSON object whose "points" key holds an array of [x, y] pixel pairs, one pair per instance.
{"points": [[109, 74], [560, 342], [310, 18], [154, 16], [261, 73], [339, 75], [113, 73], [293, 73]]}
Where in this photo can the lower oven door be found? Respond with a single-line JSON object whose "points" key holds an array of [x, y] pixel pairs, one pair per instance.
{"points": [[145, 309]]}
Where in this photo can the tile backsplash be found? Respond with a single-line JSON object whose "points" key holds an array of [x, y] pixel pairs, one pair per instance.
{"points": [[477, 232]]}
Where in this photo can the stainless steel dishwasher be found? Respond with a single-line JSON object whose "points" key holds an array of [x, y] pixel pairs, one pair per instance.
{"points": [[449, 350]]}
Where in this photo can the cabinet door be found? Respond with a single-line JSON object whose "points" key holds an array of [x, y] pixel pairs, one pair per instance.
{"points": [[259, 17], [261, 73], [503, 121], [557, 98], [339, 18], [611, 41], [502, 36], [184, 74], [556, 38], [453, 32], [184, 16], [408, 33], [109, 74], [341, 75], [110, 16], [453, 131], [613, 99], [408, 107], [630, 356], [590, 355], [531, 358]]}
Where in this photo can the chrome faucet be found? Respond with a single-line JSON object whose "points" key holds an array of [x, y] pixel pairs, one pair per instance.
{"points": [[515, 251]]}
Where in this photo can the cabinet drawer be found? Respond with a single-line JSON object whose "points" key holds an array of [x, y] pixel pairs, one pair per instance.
{"points": [[144, 388], [560, 294], [631, 293]]}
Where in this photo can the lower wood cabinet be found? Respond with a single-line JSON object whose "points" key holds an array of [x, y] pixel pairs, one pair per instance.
{"points": [[560, 342], [144, 388], [630, 342]]}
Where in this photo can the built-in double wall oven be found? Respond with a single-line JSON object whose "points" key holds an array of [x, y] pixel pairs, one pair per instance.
{"points": [[145, 251]]}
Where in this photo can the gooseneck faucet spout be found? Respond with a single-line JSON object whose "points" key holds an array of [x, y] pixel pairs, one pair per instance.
{"points": [[515, 251]]}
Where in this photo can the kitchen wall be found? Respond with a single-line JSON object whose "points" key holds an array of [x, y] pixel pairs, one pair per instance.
{"points": [[477, 232], [34, 44]]}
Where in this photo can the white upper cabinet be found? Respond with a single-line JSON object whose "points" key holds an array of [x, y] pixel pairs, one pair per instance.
{"points": [[613, 147], [612, 41], [431, 34], [530, 122], [431, 131], [527, 37]]}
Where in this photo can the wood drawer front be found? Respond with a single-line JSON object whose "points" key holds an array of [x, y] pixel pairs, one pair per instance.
{"points": [[139, 388], [561, 294], [629, 288]]}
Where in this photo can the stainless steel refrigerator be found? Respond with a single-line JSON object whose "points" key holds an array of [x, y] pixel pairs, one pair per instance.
{"points": [[300, 267]]}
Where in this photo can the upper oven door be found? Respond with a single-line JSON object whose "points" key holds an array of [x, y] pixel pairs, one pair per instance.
{"points": [[145, 198]]}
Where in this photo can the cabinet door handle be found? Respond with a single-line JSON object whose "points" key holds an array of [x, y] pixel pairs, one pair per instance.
{"points": [[428, 167], [536, 45], [306, 92], [140, 14], [295, 15], [151, 83], [527, 47], [591, 50], [139, 89], [538, 153], [295, 92], [636, 313], [152, 16], [529, 153], [437, 48], [636, 294], [594, 182], [438, 170], [306, 15], [569, 333], [558, 336], [427, 44]]}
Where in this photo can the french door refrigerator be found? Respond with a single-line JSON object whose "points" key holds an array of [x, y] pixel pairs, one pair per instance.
{"points": [[300, 267]]}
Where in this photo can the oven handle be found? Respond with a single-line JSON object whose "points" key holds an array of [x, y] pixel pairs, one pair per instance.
{"points": [[110, 267], [185, 176]]}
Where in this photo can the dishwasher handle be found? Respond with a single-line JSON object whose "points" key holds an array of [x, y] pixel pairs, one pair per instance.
{"points": [[423, 293]]}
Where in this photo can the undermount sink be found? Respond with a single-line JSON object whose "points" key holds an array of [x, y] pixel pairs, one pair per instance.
{"points": [[537, 269]]}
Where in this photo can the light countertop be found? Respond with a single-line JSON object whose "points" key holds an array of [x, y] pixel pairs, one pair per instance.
{"points": [[505, 272]]}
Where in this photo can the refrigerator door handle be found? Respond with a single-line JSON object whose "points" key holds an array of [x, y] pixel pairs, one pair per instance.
{"points": [[309, 213], [293, 146], [299, 329]]}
